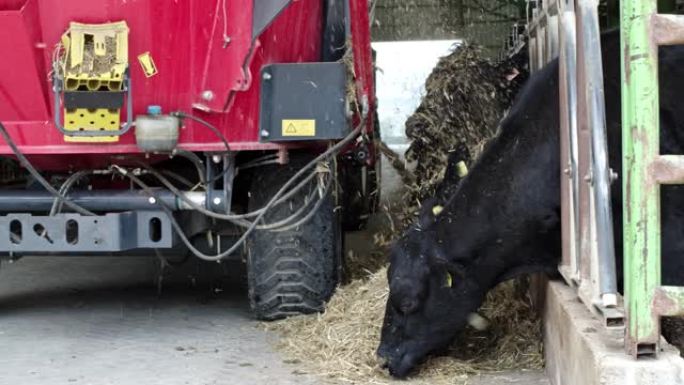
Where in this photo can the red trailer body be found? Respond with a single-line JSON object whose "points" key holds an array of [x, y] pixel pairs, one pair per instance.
{"points": [[229, 129], [198, 70]]}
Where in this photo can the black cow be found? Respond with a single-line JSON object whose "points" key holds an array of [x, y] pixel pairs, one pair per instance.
{"points": [[503, 218]]}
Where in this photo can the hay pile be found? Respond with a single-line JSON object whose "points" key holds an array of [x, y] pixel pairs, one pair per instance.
{"points": [[465, 100], [466, 97], [340, 344]]}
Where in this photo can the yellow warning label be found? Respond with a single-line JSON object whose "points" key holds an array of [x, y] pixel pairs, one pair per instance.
{"points": [[299, 127], [147, 64]]}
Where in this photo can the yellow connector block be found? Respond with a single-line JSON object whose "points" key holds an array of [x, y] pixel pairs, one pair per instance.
{"points": [[95, 59], [96, 56], [100, 119]]}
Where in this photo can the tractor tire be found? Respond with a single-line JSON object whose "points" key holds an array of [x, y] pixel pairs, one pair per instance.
{"points": [[295, 271]]}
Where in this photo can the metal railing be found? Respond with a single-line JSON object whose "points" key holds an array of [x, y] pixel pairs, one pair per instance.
{"points": [[643, 30], [588, 250], [569, 30]]}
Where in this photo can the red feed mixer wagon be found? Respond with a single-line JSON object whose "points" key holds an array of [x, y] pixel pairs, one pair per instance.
{"points": [[232, 130]]}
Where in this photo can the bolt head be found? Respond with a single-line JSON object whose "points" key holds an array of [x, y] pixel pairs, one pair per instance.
{"points": [[613, 176], [208, 95], [152, 200], [216, 159], [267, 76], [217, 201], [265, 133]]}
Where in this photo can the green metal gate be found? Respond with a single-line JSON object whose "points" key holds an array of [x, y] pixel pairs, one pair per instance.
{"points": [[643, 30]]}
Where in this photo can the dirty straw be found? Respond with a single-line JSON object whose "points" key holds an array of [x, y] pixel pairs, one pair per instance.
{"points": [[465, 100]]}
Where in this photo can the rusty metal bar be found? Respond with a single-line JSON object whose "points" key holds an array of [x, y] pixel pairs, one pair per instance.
{"points": [[668, 29], [668, 169], [668, 300]]}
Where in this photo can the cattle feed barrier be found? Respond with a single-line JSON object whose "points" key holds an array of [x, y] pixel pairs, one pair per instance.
{"points": [[643, 30], [569, 30]]}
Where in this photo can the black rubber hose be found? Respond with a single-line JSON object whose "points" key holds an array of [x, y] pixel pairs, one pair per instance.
{"points": [[32, 170]]}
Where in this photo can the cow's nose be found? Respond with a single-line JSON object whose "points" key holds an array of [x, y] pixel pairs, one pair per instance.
{"points": [[401, 367], [382, 361], [383, 353]]}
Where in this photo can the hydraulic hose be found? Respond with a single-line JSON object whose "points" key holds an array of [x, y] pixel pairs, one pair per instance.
{"points": [[32, 170]]}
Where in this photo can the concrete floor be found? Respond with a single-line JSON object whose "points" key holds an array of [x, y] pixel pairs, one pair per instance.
{"points": [[101, 321]]}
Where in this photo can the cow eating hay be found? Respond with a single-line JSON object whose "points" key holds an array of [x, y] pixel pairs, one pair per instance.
{"points": [[466, 97]]}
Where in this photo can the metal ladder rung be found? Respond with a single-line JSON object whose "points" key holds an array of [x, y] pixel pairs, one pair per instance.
{"points": [[668, 29], [668, 169], [668, 301]]}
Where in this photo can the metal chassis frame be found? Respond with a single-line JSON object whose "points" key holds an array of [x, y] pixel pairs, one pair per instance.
{"points": [[48, 234]]}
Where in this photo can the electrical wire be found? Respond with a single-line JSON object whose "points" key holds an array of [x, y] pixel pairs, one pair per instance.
{"points": [[311, 213], [238, 219], [283, 191], [218, 257], [179, 179], [196, 161], [212, 128], [258, 164], [235, 218], [64, 190], [32, 170], [261, 161]]}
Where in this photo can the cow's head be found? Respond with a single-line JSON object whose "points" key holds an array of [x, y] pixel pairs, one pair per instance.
{"points": [[431, 300]]}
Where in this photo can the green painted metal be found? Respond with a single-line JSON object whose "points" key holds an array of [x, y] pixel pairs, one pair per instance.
{"points": [[640, 139]]}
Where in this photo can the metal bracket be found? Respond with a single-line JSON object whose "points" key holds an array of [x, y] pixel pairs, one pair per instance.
{"points": [[57, 88], [220, 165], [26, 233]]}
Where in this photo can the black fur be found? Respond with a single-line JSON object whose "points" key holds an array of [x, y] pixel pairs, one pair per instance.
{"points": [[503, 219]]}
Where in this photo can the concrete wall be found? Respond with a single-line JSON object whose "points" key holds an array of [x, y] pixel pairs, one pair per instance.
{"points": [[485, 22]]}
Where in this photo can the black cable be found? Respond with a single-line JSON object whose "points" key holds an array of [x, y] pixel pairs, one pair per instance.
{"points": [[64, 190], [218, 257], [32, 170], [234, 218], [212, 128], [238, 219], [179, 178], [196, 161]]}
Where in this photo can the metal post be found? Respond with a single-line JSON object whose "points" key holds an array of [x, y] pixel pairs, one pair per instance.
{"points": [[583, 163], [598, 287], [600, 178], [568, 119], [640, 146]]}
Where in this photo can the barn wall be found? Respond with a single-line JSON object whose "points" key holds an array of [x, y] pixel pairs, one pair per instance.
{"points": [[485, 22]]}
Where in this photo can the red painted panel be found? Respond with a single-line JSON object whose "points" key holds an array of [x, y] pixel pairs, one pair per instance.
{"points": [[23, 82], [185, 39]]}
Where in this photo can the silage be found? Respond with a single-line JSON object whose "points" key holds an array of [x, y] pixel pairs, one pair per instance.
{"points": [[465, 100]]}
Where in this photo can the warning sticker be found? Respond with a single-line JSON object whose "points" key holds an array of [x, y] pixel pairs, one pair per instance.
{"points": [[147, 64], [299, 127]]}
